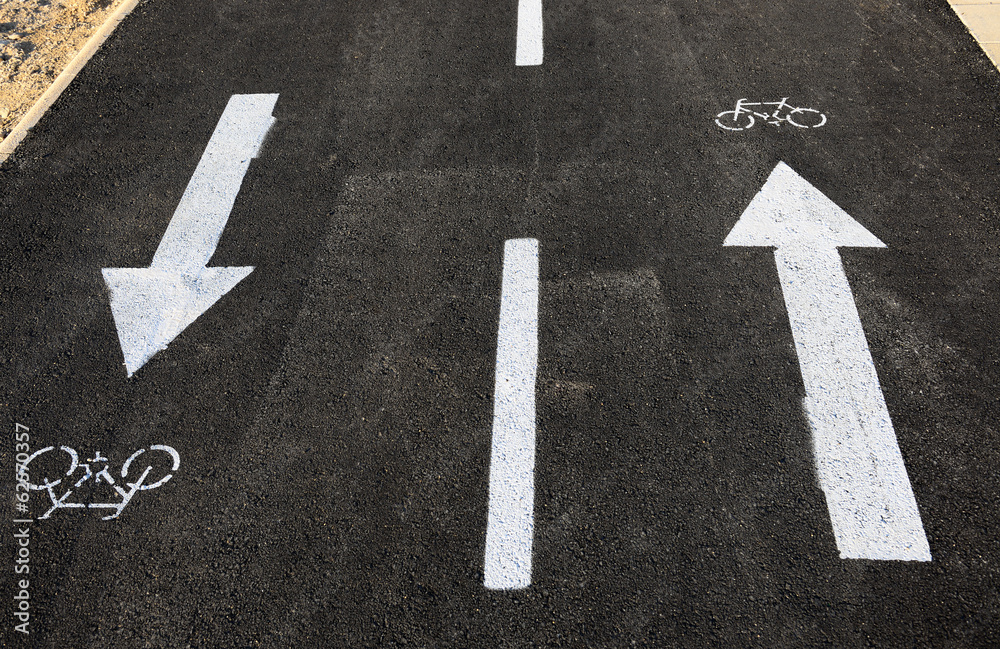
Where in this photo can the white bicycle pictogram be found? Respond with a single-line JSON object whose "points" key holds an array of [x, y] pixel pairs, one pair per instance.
{"points": [[742, 118], [63, 501]]}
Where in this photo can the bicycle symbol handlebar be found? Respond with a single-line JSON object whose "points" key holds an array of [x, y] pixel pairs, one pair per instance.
{"points": [[126, 494]]}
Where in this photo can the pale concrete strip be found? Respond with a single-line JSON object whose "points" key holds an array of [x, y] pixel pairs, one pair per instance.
{"points": [[63, 80], [983, 20], [993, 50]]}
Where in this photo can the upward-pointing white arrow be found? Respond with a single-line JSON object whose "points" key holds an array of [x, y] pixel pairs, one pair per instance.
{"points": [[861, 471], [151, 306]]}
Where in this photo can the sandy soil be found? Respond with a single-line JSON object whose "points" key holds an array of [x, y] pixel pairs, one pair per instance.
{"points": [[37, 39]]}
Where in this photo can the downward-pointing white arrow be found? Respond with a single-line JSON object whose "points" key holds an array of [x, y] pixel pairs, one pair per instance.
{"points": [[151, 306], [861, 471]]}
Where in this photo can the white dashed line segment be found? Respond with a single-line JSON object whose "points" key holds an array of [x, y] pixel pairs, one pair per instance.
{"points": [[511, 523], [529, 33]]}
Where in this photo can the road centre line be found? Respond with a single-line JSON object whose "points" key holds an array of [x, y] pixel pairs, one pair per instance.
{"points": [[529, 33], [861, 471], [511, 522]]}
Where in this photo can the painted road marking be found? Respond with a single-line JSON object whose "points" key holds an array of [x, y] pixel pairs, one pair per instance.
{"points": [[97, 468], [152, 306], [861, 470], [511, 523], [529, 33], [741, 118]]}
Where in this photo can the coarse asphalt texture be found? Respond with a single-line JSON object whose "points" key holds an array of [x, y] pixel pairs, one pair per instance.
{"points": [[333, 411]]}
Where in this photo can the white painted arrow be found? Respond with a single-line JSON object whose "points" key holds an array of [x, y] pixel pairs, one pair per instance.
{"points": [[861, 471], [151, 306]]}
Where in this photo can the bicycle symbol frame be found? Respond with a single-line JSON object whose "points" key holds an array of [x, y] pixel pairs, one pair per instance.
{"points": [[742, 118], [63, 502]]}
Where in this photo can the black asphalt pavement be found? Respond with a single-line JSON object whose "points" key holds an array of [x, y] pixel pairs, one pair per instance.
{"points": [[332, 413]]}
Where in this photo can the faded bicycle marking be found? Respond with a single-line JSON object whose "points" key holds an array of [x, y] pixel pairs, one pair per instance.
{"points": [[126, 494], [741, 118]]}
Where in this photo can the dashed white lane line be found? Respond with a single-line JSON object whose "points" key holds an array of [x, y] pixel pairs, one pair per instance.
{"points": [[511, 522], [529, 33]]}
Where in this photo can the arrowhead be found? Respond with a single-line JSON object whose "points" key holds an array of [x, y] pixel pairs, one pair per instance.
{"points": [[790, 211], [151, 306]]}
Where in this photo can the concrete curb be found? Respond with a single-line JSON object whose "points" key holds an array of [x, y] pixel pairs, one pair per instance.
{"points": [[982, 19], [31, 118]]}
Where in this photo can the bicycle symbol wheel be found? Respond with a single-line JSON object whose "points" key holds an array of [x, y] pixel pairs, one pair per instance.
{"points": [[174, 455], [735, 120], [74, 461], [806, 118]]}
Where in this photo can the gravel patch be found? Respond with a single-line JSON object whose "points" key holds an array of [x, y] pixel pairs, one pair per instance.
{"points": [[38, 38]]}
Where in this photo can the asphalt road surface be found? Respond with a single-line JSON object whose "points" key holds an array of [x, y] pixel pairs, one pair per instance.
{"points": [[331, 422]]}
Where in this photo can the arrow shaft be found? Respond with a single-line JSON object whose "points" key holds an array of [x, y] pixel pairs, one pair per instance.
{"points": [[197, 224], [861, 470]]}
